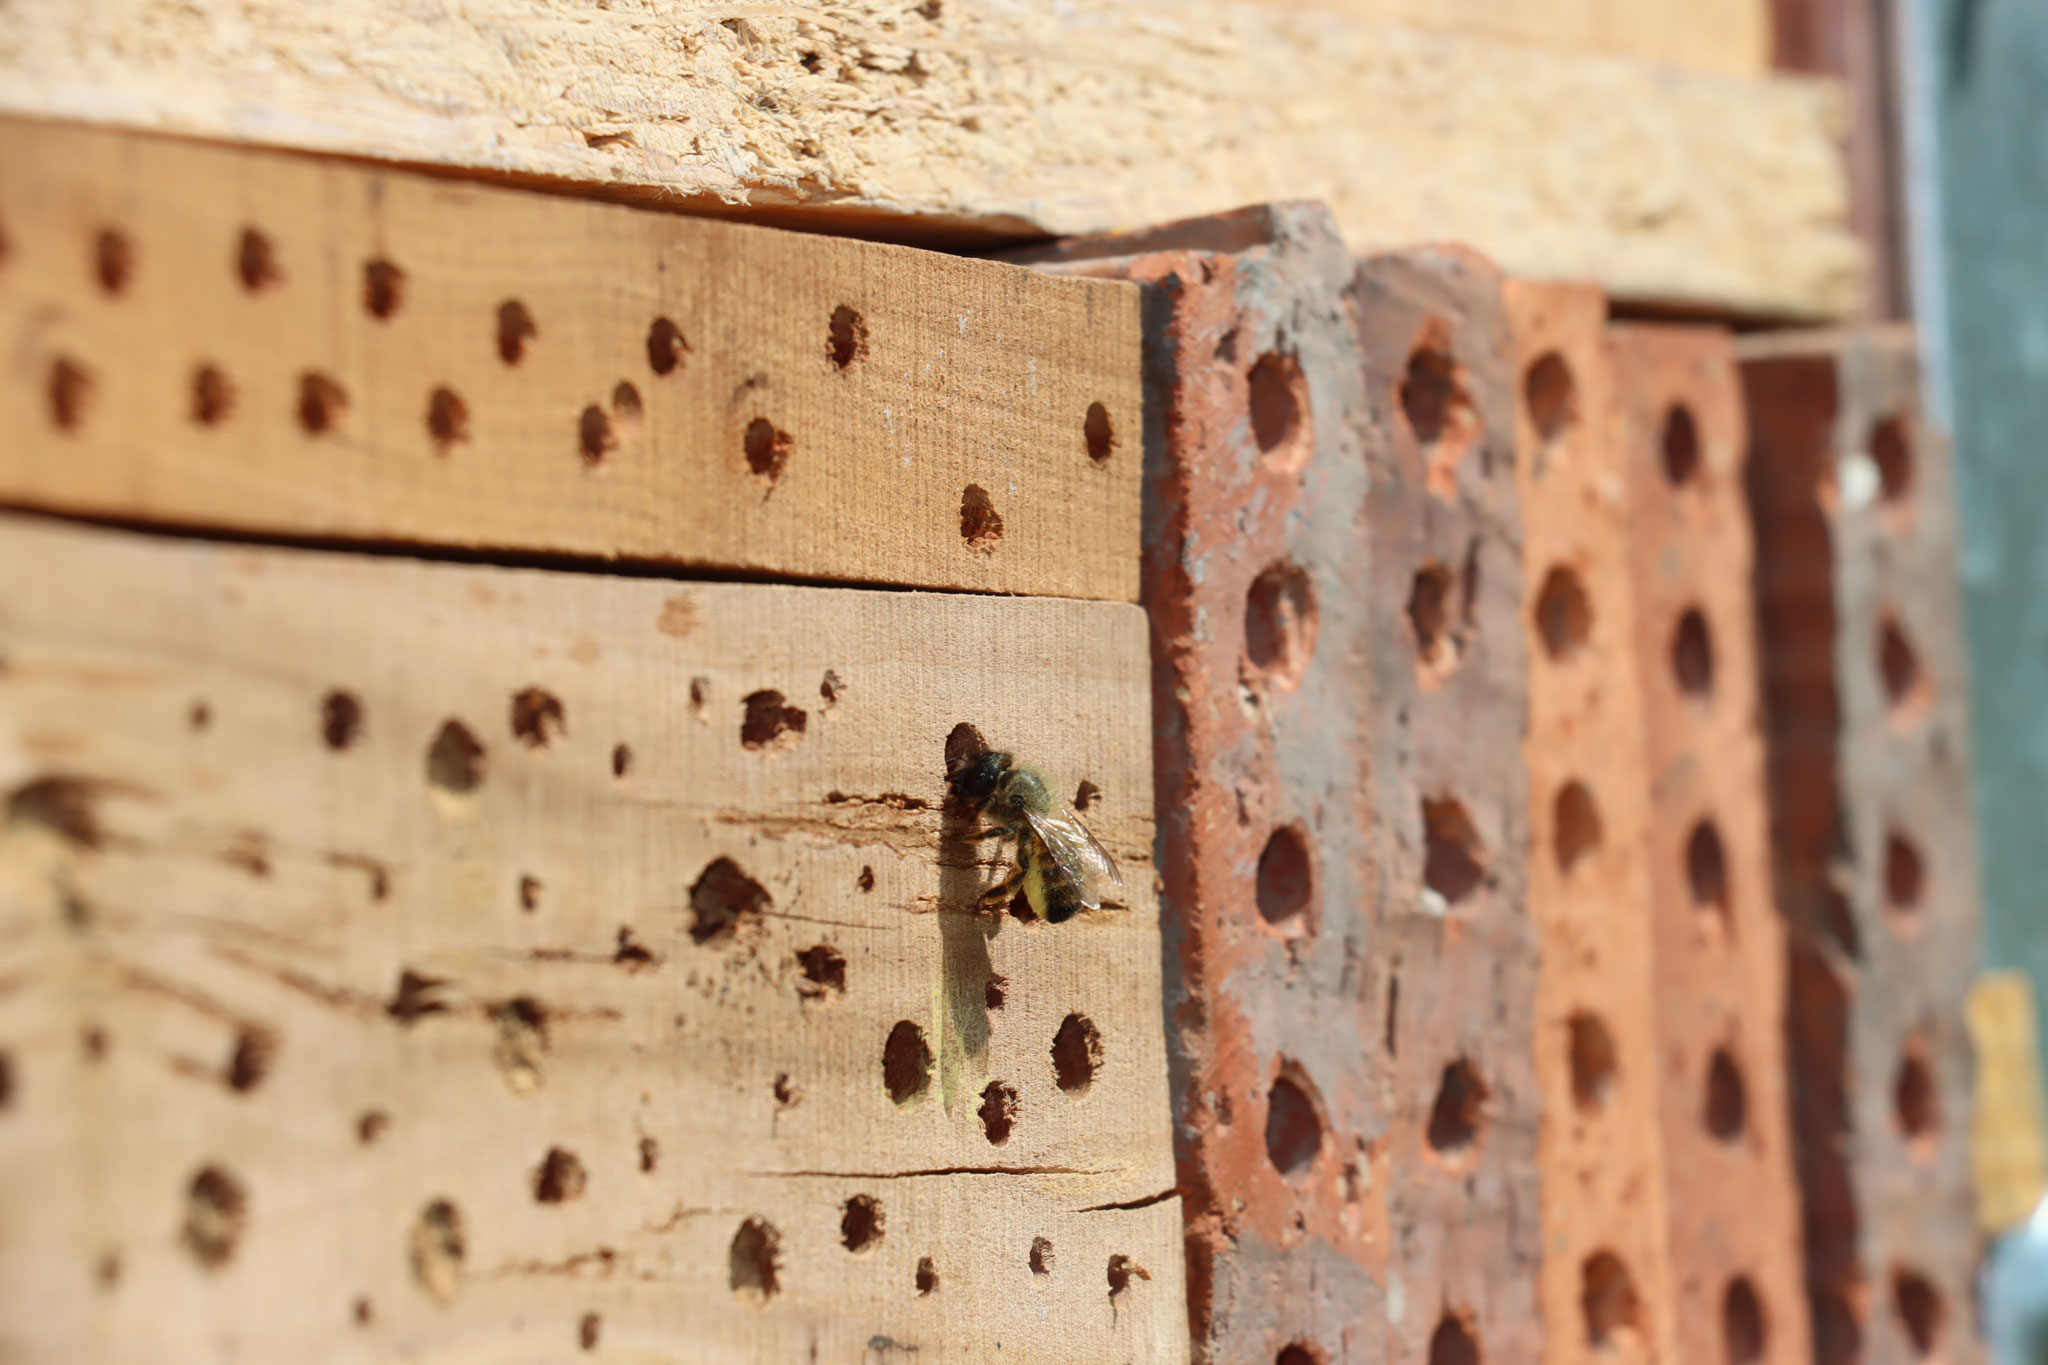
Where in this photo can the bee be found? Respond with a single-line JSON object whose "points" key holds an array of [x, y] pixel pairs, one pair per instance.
{"points": [[1060, 866]]}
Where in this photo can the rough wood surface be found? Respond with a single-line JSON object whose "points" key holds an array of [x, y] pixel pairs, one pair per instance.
{"points": [[330, 1033], [278, 345], [1697, 35], [986, 118]]}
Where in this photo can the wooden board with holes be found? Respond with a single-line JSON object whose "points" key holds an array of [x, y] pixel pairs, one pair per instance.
{"points": [[243, 340], [447, 962]]}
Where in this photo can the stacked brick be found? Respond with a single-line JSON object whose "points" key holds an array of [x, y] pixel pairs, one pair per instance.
{"points": [[1720, 942], [1855, 518]]}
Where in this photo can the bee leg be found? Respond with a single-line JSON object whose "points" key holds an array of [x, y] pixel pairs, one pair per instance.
{"points": [[983, 835], [1003, 890]]}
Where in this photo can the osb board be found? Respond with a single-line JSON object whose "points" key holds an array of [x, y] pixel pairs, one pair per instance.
{"points": [[232, 1119], [983, 119], [228, 338]]}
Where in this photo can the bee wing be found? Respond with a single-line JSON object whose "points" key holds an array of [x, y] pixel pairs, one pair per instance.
{"points": [[1076, 853]]}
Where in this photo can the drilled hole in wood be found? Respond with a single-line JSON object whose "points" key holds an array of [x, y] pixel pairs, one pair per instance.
{"points": [[588, 1329], [1681, 446], [994, 991], [213, 396], [216, 1214], [622, 760], [754, 1264], [667, 348], [1727, 1110], [846, 338], [1692, 655], [383, 289], [1099, 435], [1286, 877], [1564, 614], [831, 688], [256, 261], [906, 1063], [1551, 395], [94, 1041], [1905, 875], [1076, 1054], [650, 1155], [1452, 1343], [1453, 863], [1278, 400], [1294, 1126], [824, 972], [255, 1049], [767, 449], [447, 419], [1121, 1272], [455, 761], [998, 1112], [1040, 1257], [1281, 620], [322, 403], [1086, 795], [6, 1081], [627, 409], [437, 1250], [559, 1178], [927, 1277], [1915, 1098], [371, 1124], [1919, 1308], [860, 1224], [1594, 1060], [785, 1091], [722, 898], [1898, 664], [1459, 1111], [866, 880], [1742, 1322], [1607, 1300], [341, 719], [113, 260], [521, 1045], [769, 722], [69, 392], [1574, 825], [516, 331], [1891, 450], [595, 435], [415, 997], [1706, 871], [630, 953], [199, 716], [538, 718], [981, 526], [362, 1313]]}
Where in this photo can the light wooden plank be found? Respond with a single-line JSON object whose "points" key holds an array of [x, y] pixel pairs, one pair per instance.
{"points": [[208, 915], [272, 344], [1732, 36], [980, 117]]}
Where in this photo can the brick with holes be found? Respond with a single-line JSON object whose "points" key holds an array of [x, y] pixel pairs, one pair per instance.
{"points": [[1855, 518], [1676, 425]]}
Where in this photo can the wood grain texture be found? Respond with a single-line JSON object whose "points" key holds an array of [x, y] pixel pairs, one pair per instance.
{"points": [[271, 344], [1732, 36], [312, 1053], [987, 118]]}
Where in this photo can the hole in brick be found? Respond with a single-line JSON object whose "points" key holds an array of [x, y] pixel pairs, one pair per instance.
{"points": [[860, 1224], [667, 347], [216, 1212], [595, 435], [1123, 1270], [1452, 1343], [69, 392], [1452, 866], [1086, 795], [981, 526], [767, 448], [927, 1276], [1575, 825], [1692, 655], [1040, 1259], [383, 289], [249, 1063], [906, 1063], [1891, 450], [1551, 395], [1595, 1062], [341, 719], [213, 396], [998, 1112], [1098, 433], [721, 899], [846, 339], [1280, 621], [1286, 876], [537, 718], [447, 419], [516, 331], [1076, 1054], [1681, 446], [1837, 1327], [1899, 666], [371, 1125], [995, 991], [588, 1329], [1742, 1322], [322, 403], [1429, 616], [1279, 410], [455, 761], [1294, 1127], [1607, 1300], [1460, 1107], [437, 1250], [1432, 397], [1905, 875], [1919, 1308], [559, 1178], [824, 969], [622, 760], [1706, 870], [1564, 614], [754, 1265], [113, 260], [767, 721], [650, 1155], [1297, 1353], [1727, 1097], [256, 261], [1915, 1100]]}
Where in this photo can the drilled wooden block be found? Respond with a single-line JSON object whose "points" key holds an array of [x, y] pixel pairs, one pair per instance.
{"points": [[1257, 583], [467, 962], [263, 343], [1865, 684], [1455, 966], [1733, 1201], [1607, 1285]]}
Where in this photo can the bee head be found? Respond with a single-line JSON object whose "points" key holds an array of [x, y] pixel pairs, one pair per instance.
{"points": [[976, 777]]}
